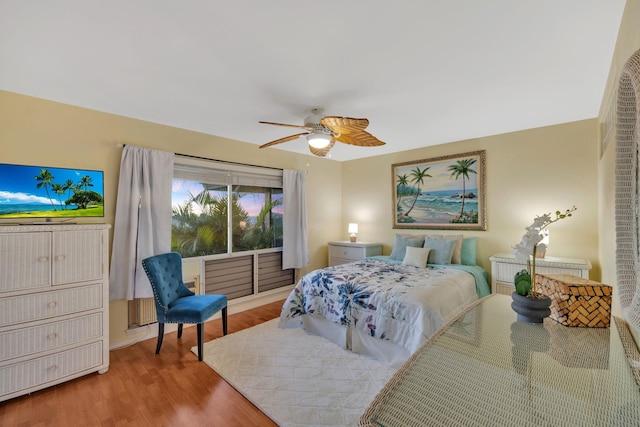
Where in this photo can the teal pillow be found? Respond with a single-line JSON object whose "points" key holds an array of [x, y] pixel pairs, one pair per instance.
{"points": [[401, 243], [441, 250], [468, 252]]}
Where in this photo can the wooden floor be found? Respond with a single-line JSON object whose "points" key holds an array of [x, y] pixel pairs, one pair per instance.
{"points": [[145, 389]]}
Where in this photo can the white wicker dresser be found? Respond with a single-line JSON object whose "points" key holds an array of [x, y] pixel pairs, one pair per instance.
{"points": [[54, 305], [504, 267]]}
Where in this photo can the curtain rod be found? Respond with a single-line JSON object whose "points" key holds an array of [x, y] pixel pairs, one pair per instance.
{"points": [[121, 145]]}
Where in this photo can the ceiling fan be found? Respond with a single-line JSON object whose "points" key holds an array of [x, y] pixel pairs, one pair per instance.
{"points": [[322, 132]]}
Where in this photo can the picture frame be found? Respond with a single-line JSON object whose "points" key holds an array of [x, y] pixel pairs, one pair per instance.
{"points": [[441, 193]]}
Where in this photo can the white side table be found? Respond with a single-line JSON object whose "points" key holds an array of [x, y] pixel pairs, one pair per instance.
{"points": [[344, 252], [504, 267]]}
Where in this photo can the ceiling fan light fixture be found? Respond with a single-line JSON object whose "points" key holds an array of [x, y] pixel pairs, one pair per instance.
{"points": [[319, 140]]}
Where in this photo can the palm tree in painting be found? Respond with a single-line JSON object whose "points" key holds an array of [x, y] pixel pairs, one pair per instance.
{"points": [[45, 179], [462, 168], [401, 189], [417, 177]]}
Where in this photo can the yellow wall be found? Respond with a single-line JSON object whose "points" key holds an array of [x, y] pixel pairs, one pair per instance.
{"points": [[38, 132], [529, 173], [628, 42]]}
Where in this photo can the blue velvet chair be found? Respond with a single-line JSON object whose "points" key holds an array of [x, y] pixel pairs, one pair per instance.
{"points": [[175, 303]]}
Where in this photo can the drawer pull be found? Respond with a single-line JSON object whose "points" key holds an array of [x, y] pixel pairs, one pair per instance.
{"points": [[60, 257], [51, 369], [43, 258], [52, 336], [52, 304]]}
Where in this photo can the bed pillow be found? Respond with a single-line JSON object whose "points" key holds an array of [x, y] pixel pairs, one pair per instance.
{"points": [[456, 258], [468, 252], [416, 257], [441, 250], [401, 243]]}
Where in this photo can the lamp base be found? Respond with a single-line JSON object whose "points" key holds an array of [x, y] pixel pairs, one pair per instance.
{"points": [[352, 238]]}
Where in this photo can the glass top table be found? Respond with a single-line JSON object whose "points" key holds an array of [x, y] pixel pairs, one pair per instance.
{"points": [[488, 369]]}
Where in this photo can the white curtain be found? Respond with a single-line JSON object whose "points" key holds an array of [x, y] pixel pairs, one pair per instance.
{"points": [[627, 200], [295, 251], [143, 219]]}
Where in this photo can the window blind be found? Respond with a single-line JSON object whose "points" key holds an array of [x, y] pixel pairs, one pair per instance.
{"points": [[215, 172]]}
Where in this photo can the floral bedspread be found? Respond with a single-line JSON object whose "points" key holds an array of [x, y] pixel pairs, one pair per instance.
{"points": [[394, 302]]}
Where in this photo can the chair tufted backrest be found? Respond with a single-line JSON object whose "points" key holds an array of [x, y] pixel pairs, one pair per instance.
{"points": [[165, 274]]}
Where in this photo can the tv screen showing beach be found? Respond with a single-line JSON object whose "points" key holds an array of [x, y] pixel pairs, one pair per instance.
{"points": [[48, 192]]}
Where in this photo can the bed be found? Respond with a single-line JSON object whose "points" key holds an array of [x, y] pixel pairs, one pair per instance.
{"points": [[384, 306]]}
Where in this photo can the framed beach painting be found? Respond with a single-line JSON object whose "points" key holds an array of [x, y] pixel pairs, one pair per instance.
{"points": [[443, 193]]}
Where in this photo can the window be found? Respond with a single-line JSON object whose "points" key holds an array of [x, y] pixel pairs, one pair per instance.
{"points": [[223, 208], [239, 250]]}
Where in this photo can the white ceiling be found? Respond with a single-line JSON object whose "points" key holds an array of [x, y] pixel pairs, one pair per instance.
{"points": [[423, 72]]}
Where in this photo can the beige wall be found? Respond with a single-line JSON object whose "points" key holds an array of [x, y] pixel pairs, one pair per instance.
{"points": [[628, 42], [38, 132], [529, 173]]}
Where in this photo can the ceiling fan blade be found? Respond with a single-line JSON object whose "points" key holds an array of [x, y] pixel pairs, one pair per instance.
{"points": [[285, 139], [284, 124], [361, 138], [344, 124], [322, 152]]}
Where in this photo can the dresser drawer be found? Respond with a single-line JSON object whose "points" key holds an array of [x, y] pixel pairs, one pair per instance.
{"points": [[504, 267], [23, 375], [26, 261], [506, 272], [76, 256], [346, 252], [45, 305], [35, 339], [337, 261]]}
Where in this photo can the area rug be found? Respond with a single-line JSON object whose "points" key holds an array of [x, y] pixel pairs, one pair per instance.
{"points": [[297, 379]]}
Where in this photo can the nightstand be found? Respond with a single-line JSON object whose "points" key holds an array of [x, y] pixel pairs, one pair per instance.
{"points": [[504, 267], [344, 252]]}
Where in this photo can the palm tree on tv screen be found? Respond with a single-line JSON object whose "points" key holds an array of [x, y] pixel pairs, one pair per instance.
{"points": [[59, 190], [45, 179], [69, 187], [85, 182]]}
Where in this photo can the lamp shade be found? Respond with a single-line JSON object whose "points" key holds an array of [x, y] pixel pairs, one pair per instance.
{"points": [[318, 140], [353, 228]]}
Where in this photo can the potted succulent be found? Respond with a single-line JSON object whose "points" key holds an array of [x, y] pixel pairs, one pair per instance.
{"points": [[529, 304]]}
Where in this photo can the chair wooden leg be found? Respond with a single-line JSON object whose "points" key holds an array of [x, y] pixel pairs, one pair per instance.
{"points": [[224, 321], [200, 340], [179, 330], [160, 337]]}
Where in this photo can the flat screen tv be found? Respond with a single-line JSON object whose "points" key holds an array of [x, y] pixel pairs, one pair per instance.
{"points": [[37, 192]]}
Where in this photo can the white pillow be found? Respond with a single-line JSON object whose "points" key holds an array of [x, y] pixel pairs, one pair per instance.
{"points": [[416, 257]]}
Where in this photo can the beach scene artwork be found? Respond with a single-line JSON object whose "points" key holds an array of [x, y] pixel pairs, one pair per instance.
{"points": [[440, 193], [48, 192]]}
